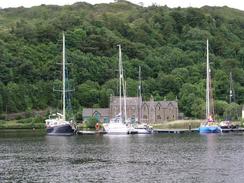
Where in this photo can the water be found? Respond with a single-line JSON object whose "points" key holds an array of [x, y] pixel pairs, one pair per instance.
{"points": [[27, 156]]}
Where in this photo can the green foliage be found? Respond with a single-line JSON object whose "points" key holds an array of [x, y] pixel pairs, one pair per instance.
{"points": [[233, 111], [168, 44], [90, 122], [38, 119]]}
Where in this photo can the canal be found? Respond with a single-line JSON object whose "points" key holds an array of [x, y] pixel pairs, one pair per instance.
{"points": [[31, 156]]}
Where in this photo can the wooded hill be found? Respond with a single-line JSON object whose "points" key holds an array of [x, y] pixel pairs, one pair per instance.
{"points": [[168, 44]]}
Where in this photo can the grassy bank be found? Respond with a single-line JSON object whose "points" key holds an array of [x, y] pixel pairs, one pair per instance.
{"points": [[29, 123], [179, 124]]}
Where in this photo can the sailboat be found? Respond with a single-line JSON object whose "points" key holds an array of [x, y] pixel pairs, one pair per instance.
{"points": [[209, 126], [141, 128], [227, 123], [57, 123], [119, 124]]}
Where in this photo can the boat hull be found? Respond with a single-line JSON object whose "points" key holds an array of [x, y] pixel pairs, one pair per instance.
{"points": [[210, 129], [118, 128], [61, 130], [115, 131], [143, 131]]}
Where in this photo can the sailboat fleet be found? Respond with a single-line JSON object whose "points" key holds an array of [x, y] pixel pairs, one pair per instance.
{"points": [[57, 124]]}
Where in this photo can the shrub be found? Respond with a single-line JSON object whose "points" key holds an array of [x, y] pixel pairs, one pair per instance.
{"points": [[38, 119], [90, 122], [28, 120], [19, 117], [78, 116]]}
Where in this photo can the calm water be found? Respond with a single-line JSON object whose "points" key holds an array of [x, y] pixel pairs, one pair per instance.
{"points": [[27, 156]]}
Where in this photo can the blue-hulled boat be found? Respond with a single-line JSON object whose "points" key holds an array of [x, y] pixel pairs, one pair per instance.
{"points": [[209, 126]]}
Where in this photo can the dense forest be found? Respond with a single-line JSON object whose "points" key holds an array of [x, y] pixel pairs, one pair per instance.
{"points": [[168, 44]]}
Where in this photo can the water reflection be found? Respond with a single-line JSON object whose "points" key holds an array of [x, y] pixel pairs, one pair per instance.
{"points": [[150, 158]]}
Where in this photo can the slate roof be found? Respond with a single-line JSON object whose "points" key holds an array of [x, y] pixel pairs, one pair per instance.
{"points": [[129, 100], [90, 111], [162, 104]]}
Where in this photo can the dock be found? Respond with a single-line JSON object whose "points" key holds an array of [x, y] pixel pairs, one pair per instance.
{"points": [[227, 130], [175, 130], [180, 131]]}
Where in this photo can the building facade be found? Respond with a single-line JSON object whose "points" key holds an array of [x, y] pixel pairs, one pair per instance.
{"points": [[144, 111]]}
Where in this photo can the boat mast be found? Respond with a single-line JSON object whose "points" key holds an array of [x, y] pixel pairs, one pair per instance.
{"points": [[140, 98], [207, 86], [231, 89], [125, 113], [123, 88], [120, 79], [64, 118]]}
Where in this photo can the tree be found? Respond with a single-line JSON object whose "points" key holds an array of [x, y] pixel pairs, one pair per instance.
{"points": [[220, 107], [233, 111]]}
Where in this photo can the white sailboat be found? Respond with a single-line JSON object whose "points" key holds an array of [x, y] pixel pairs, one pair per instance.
{"points": [[141, 128], [119, 124], [57, 123], [209, 126]]}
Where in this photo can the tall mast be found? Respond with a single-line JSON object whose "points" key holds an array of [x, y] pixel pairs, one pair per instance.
{"points": [[64, 118], [207, 86], [125, 113], [139, 93], [120, 79], [231, 88]]}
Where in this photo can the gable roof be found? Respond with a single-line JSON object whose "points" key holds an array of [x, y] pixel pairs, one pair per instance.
{"points": [[162, 104], [129, 100], [91, 111]]}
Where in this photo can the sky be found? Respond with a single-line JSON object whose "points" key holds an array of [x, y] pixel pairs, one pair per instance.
{"points": [[238, 4]]}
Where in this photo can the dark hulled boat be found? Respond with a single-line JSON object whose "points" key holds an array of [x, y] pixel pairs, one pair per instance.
{"points": [[57, 123], [58, 127]]}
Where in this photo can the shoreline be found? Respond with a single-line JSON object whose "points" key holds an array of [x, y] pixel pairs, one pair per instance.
{"points": [[29, 124]]}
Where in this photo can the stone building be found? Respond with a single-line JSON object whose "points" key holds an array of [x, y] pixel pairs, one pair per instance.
{"points": [[159, 111], [151, 111], [102, 114]]}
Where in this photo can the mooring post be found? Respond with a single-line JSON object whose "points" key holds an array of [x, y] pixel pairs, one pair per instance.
{"points": [[189, 126]]}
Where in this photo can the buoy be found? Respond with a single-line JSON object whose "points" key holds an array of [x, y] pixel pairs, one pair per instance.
{"points": [[97, 126]]}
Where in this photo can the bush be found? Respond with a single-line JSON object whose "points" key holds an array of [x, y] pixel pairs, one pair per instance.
{"points": [[38, 119], [18, 117], [242, 123], [90, 122], [28, 120], [78, 116]]}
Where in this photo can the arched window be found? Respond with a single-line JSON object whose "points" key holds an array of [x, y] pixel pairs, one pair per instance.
{"points": [[97, 115]]}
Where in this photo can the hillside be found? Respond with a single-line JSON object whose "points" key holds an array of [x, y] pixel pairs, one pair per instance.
{"points": [[169, 45]]}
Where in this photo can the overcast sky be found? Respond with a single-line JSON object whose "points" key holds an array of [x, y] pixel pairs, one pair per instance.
{"points": [[238, 4]]}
